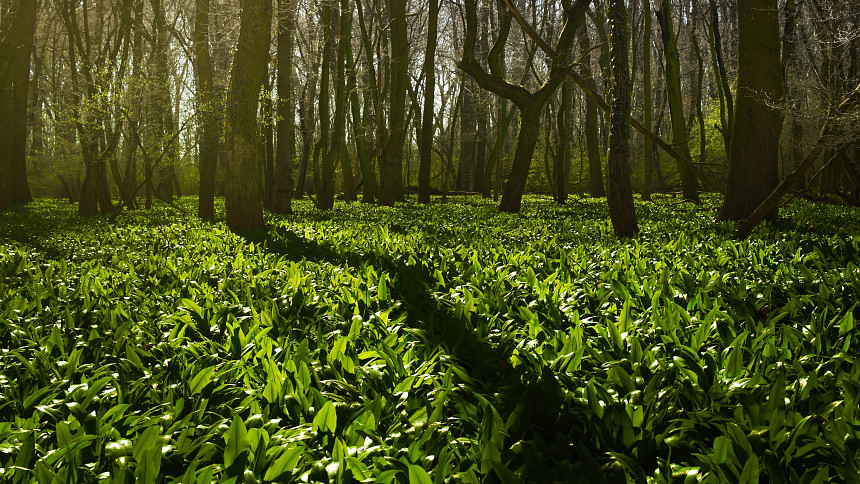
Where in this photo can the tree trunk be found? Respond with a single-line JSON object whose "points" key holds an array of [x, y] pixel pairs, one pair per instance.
{"points": [[324, 159], [339, 131], [530, 104], [16, 47], [561, 162], [282, 186], [242, 198], [647, 106], [391, 182], [689, 184], [620, 194], [754, 152], [359, 130], [468, 127], [429, 98], [208, 163], [592, 136]]}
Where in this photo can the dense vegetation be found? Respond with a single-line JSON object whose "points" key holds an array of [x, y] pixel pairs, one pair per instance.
{"points": [[413, 344]]}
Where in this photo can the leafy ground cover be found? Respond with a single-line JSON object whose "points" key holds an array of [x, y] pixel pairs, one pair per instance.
{"points": [[426, 345]]}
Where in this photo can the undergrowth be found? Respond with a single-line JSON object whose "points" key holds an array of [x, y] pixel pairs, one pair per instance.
{"points": [[448, 343]]}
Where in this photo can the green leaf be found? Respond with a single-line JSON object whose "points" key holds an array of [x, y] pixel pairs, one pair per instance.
{"points": [[749, 475], [200, 380], [236, 440], [417, 475], [326, 418], [286, 462]]}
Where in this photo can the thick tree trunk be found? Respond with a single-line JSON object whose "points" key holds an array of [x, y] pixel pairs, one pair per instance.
{"points": [[391, 183], [16, 47], [620, 194], [512, 195], [754, 152], [689, 184], [429, 97], [282, 186], [243, 198]]}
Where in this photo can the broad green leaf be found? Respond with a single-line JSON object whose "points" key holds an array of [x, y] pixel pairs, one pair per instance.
{"points": [[236, 440], [326, 418], [200, 380], [286, 462], [417, 475]]}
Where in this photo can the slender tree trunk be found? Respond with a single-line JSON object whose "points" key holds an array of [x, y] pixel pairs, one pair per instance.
{"points": [[307, 120], [359, 129], [725, 91], [325, 154], [468, 127], [689, 183], [340, 106], [592, 135], [282, 186], [620, 194], [429, 98], [754, 161], [243, 198], [561, 163], [647, 106]]}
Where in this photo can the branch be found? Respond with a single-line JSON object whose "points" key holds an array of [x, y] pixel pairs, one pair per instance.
{"points": [[602, 104], [826, 140]]}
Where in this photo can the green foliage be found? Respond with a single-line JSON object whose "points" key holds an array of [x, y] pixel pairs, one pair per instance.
{"points": [[448, 343]]}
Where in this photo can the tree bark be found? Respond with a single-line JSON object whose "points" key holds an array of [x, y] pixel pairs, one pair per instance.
{"points": [[325, 154], [282, 186], [647, 104], [754, 151], [243, 200], [689, 184], [16, 46], [429, 98], [207, 113], [391, 176], [592, 135], [339, 132], [620, 194]]}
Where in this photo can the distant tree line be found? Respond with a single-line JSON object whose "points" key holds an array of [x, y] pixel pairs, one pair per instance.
{"points": [[115, 103]]}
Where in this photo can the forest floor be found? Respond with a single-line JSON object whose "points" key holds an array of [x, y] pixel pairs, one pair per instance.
{"points": [[430, 344]]}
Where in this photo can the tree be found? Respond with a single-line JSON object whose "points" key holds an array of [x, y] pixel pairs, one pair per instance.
{"points": [[17, 29], [429, 97], [620, 195], [282, 184], [207, 115], [592, 136], [529, 103], [754, 149], [243, 200], [646, 99], [689, 185], [391, 172]]}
